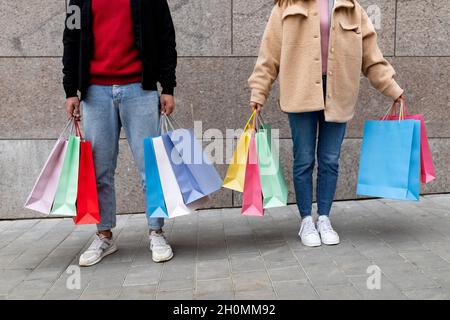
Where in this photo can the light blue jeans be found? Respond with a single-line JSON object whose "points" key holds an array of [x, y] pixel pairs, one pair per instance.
{"points": [[106, 109]]}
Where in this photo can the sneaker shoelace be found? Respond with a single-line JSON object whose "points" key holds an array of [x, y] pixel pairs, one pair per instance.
{"points": [[325, 226], [309, 228], [96, 244], [159, 240]]}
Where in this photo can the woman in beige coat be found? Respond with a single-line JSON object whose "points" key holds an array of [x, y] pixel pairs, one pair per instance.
{"points": [[318, 49]]}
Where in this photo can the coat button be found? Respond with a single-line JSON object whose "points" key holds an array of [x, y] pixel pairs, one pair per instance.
{"points": [[329, 96], [330, 73], [316, 36], [332, 50], [318, 82]]}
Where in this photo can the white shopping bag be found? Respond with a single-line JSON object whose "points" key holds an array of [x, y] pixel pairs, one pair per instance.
{"points": [[172, 193]]}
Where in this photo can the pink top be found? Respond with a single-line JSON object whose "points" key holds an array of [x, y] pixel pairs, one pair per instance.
{"points": [[324, 32]]}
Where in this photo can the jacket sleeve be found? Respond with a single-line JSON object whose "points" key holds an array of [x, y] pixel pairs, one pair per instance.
{"points": [[268, 63], [167, 53], [374, 66], [70, 60]]}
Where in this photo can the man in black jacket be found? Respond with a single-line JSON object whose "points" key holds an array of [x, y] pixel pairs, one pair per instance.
{"points": [[114, 62]]}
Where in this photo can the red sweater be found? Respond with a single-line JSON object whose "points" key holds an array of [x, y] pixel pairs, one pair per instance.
{"points": [[115, 58]]}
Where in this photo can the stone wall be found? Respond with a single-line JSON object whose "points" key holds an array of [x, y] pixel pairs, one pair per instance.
{"points": [[217, 43]]}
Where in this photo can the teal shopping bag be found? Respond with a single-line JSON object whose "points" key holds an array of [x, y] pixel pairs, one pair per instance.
{"points": [[156, 206], [390, 160], [66, 192], [274, 187]]}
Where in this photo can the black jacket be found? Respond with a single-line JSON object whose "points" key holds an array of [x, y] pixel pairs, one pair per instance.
{"points": [[155, 40]]}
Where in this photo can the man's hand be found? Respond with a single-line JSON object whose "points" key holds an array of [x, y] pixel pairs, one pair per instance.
{"points": [[167, 104], [73, 108], [256, 106]]}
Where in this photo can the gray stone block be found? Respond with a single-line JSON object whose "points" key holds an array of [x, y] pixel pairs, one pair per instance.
{"points": [[202, 27], [213, 269], [144, 292], [295, 290], [31, 30], [251, 281], [249, 21], [423, 28], [288, 274], [246, 262], [175, 295], [342, 292]]}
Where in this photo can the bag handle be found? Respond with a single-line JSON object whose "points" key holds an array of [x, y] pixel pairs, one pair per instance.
{"points": [[77, 129], [393, 110], [251, 121], [167, 123]]}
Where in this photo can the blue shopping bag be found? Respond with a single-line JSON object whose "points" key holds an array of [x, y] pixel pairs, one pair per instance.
{"points": [[390, 160], [156, 206], [188, 185], [196, 161]]}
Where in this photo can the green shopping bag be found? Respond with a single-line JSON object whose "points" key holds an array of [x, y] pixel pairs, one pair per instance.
{"points": [[274, 187], [66, 192]]}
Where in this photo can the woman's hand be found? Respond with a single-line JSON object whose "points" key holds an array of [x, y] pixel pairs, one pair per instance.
{"points": [[255, 105], [399, 99], [73, 108]]}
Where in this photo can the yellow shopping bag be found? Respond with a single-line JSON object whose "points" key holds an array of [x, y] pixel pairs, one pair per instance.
{"points": [[235, 176]]}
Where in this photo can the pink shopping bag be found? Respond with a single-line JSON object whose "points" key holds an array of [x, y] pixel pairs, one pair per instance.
{"points": [[427, 172], [252, 199], [43, 193]]}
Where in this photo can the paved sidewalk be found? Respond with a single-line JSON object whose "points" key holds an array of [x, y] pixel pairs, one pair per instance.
{"points": [[222, 255]]}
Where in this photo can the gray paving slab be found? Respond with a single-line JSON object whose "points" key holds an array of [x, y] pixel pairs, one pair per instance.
{"points": [[221, 255]]}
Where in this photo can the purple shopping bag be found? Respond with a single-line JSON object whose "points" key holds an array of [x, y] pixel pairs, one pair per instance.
{"points": [[44, 190]]}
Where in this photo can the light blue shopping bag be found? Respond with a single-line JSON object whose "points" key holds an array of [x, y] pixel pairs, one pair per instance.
{"points": [[156, 206], [390, 160], [188, 185], [196, 161]]}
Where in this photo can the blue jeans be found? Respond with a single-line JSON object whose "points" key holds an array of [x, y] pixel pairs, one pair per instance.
{"points": [[304, 129], [106, 109]]}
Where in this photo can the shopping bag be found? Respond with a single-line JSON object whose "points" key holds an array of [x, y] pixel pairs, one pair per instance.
{"points": [[390, 160], [66, 192], [204, 176], [188, 185], [156, 206], [87, 198], [235, 175], [252, 203], [273, 183], [172, 194], [43, 193], [427, 172]]}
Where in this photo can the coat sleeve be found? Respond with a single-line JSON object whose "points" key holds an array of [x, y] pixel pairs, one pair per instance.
{"points": [[167, 53], [268, 63], [70, 59], [374, 66]]}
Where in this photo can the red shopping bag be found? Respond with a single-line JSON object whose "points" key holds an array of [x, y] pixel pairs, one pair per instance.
{"points": [[252, 199], [87, 199], [427, 173]]}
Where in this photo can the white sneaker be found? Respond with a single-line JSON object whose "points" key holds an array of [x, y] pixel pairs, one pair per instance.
{"points": [[161, 250], [308, 233], [327, 234], [99, 248]]}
